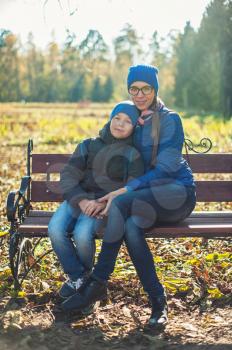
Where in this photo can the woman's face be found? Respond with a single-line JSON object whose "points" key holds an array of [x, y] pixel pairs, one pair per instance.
{"points": [[121, 126], [141, 100]]}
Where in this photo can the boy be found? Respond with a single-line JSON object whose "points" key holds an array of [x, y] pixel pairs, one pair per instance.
{"points": [[98, 166]]}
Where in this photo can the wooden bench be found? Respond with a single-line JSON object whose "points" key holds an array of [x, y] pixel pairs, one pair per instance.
{"points": [[27, 223]]}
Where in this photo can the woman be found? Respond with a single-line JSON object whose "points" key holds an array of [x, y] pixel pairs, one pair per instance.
{"points": [[165, 193]]}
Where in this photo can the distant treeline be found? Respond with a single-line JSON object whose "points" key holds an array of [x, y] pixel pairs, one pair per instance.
{"points": [[195, 66]]}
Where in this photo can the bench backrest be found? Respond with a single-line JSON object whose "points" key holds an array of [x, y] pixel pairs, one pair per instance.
{"points": [[207, 190]]}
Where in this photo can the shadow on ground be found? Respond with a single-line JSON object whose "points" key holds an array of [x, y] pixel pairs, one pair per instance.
{"points": [[36, 323]]}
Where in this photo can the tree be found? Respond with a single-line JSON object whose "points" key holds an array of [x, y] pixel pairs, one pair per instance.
{"points": [[34, 72], [184, 68], [157, 56], [127, 51], [78, 91], [71, 67], [9, 67], [53, 72], [93, 47], [96, 91], [107, 89], [3, 35], [204, 72], [161, 55], [126, 46]]}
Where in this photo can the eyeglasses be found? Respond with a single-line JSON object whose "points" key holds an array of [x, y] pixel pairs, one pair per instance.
{"points": [[146, 90]]}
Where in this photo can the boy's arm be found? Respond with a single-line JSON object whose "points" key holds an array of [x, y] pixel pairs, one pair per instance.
{"points": [[73, 173]]}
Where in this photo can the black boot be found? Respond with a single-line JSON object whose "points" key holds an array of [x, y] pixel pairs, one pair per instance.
{"points": [[159, 314], [90, 291]]}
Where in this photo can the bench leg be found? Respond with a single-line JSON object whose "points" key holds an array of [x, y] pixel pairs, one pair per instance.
{"points": [[19, 252], [22, 257]]}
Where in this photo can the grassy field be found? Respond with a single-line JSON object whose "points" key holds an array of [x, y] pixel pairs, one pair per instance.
{"points": [[197, 271]]}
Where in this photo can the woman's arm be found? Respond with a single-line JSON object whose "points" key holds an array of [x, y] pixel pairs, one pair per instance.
{"points": [[169, 154]]}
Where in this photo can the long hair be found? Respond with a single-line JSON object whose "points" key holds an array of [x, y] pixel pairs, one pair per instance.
{"points": [[155, 130]]}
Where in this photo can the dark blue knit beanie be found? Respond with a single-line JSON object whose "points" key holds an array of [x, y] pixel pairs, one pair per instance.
{"points": [[146, 73], [128, 108]]}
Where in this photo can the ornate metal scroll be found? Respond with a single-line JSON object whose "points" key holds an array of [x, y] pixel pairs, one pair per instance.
{"points": [[204, 143]]}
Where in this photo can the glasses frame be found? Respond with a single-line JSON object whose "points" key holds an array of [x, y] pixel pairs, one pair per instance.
{"points": [[140, 89]]}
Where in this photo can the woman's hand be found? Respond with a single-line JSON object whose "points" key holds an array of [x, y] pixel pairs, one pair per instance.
{"points": [[109, 197], [83, 204], [91, 207], [97, 208]]}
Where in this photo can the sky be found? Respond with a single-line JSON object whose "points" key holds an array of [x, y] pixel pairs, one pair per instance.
{"points": [[42, 17]]}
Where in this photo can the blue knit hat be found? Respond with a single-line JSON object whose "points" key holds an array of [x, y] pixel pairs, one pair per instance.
{"points": [[128, 108], [146, 73]]}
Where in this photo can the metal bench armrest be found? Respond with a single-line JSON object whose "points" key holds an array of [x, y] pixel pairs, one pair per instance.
{"points": [[25, 181], [17, 202]]}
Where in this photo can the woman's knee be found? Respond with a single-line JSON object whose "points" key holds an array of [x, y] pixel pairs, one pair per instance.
{"points": [[132, 231], [119, 206]]}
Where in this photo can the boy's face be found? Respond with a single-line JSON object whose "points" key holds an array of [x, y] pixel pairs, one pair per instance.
{"points": [[121, 126]]}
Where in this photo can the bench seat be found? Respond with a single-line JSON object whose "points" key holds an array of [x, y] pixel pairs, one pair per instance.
{"points": [[201, 223]]}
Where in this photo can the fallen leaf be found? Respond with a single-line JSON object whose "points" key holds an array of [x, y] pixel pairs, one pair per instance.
{"points": [[126, 311], [189, 327]]}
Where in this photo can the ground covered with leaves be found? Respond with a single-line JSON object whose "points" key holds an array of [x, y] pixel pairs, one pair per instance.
{"points": [[199, 318], [196, 273]]}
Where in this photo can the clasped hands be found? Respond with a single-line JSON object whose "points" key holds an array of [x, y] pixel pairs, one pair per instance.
{"points": [[99, 207]]}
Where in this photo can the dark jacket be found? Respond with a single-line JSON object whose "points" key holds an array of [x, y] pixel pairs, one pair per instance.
{"points": [[100, 165]]}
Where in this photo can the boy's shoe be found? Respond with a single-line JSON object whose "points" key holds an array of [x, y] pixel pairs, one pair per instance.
{"points": [[159, 313], [70, 287], [90, 291]]}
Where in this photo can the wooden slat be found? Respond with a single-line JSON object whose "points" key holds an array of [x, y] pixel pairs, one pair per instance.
{"points": [[32, 229], [207, 191], [44, 220], [40, 213], [48, 163], [46, 191], [195, 214], [207, 231], [214, 191], [210, 163], [211, 214], [192, 219], [199, 163], [192, 226], [37, 220]]}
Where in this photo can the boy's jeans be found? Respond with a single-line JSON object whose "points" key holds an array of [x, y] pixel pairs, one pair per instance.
{"points": [[76, 253]]}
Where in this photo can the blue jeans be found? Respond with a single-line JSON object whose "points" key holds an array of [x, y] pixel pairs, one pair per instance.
{"points": [[75, 251], [130, 215]]}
